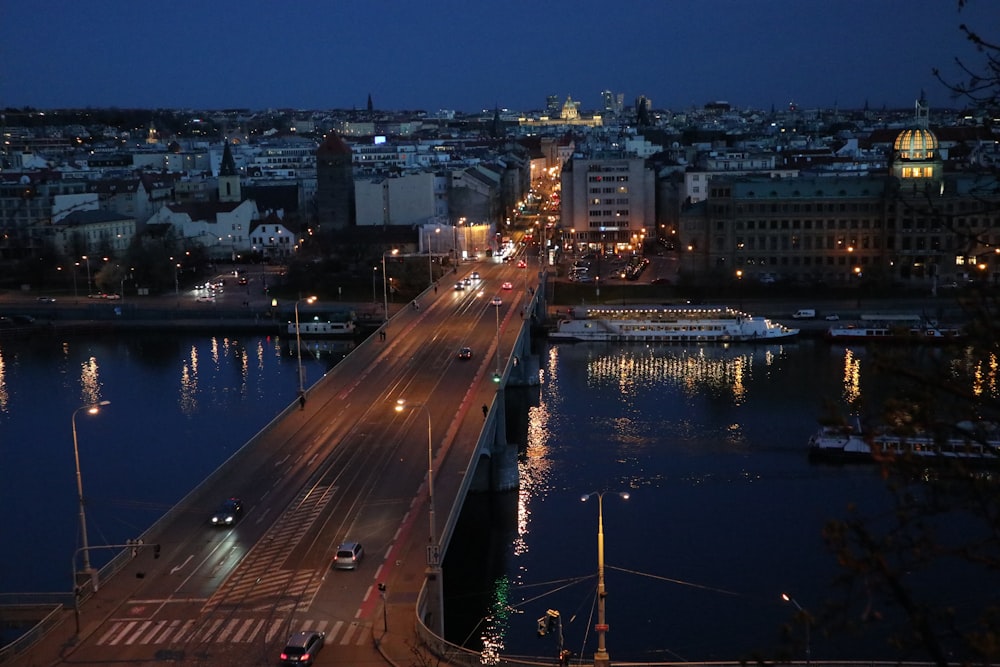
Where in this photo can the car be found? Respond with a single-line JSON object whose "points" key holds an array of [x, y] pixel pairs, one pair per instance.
{"points": [[507, 286], [496, 301], [475, 275], [229, 513], [302, 647], [459, 286], [45, 299], [206, 298], [243, 280], [467, 281], [521, 264], [660, 281], [465, 353], [348, 556], [832, 317]]}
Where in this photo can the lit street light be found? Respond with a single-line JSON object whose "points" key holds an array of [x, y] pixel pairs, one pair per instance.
{"points": [[93, 409], [298, 344], [385, 288], [90, 289], [601, 657], [806, 619], [433, 572]]}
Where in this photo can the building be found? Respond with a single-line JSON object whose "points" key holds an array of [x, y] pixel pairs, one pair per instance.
{"points": [[608, 202], [335, 203], [913, 225]]}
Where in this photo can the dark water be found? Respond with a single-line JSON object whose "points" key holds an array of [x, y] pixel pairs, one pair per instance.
{"points": [[724, 513], [180, 405]]}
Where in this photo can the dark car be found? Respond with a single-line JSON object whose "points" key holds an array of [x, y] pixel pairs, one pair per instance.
{"points": [[348, 556], [229, 513], [465, 353], [302, 647]]}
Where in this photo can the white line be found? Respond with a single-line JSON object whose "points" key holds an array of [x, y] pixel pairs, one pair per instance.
{"points": [[253, 633], [142, 628], [261, 517], [166, 633], [278, 463], [365, 597], [226, 631], [186, 632], [273, 630], [378, 571], [156, 628], [106, 635], [336, 629], [347, 634], [174, 570], [321, 626], [207, 634], [362, 638]]}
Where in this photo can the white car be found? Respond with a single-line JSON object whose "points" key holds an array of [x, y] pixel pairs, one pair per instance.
{"points": [[496, 301]]}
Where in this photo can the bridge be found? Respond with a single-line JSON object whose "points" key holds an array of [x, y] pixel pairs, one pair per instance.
{"points": [[383, 451]]}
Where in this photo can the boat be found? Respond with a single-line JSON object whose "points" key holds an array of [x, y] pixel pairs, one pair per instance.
{"points": [[667, 324], [973, 443], [894, 327], [324, 325]]}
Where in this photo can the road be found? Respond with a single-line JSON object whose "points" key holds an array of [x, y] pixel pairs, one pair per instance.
{"points": [[345, 467]]}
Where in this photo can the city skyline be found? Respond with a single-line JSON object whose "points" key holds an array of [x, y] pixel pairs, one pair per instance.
{"points": [[451, 55]]}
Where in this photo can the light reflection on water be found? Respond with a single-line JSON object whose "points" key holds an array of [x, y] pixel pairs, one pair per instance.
{"points": [[179, 406], [726, 511]]}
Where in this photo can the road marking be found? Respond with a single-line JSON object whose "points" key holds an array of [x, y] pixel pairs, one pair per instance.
{"points": [[178, 568]]}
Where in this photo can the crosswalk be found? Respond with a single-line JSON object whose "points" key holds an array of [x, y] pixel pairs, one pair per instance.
{"points": [[227, 630]]}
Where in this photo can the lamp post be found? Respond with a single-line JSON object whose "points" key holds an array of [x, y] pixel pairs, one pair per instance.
{"points": [[601, 657], [430, 268], [374, 271], [298, 343], [385, 287], [93, 409], [90, 289], [808, 621], [496, 375]]}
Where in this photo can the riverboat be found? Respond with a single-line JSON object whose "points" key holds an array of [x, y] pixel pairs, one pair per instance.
{"points": [[971, 442], [667, 324], [324, 326], [894, 327]]}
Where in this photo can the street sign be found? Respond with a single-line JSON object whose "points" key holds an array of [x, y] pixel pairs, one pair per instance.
{"points": [[433, 555]]}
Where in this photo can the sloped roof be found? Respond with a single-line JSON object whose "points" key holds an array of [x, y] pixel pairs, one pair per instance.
{"points": [[203, 210]]}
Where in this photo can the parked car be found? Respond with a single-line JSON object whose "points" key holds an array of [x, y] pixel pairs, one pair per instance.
{"points": [[229, 513], [348, 556], [302, 647], [832, 317]]}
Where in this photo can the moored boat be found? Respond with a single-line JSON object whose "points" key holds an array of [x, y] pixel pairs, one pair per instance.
{"points": [[893, 327], [977, 443], [667, 324], [324, 325]]}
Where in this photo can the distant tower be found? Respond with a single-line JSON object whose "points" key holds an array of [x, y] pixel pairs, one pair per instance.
{"points": [[371, 107], [335, 205], [915, 152], [495, 131], [229, 178]]}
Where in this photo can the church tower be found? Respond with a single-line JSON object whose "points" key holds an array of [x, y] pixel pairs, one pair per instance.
{"points": [[229, 178]]}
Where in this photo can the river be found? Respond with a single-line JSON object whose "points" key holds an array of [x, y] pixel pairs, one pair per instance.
{"points": [[724, 513]]}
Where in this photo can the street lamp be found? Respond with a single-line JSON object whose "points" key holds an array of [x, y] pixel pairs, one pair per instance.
{"points": [[496, 375], [401, 405], [430, 269], [374, 271], [601, 657], [806, 618], [93, 409], [298, 343], [90, 289], [385, 288]]}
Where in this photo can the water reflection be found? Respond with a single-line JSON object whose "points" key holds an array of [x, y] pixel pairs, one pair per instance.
{"points": [[4, 398], [90, 384]]}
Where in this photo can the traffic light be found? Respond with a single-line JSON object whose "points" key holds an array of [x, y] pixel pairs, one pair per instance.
{"points": [[543, 626], [552, 620], [156, 551]]}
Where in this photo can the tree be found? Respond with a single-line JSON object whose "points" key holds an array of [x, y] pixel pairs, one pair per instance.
{"points": [[922, 573]]}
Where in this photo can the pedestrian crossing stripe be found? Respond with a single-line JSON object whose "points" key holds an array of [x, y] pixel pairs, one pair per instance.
{"points": [[228, 631]]}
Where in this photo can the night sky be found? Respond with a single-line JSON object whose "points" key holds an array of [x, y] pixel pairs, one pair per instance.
{"points": [[470, 55]]}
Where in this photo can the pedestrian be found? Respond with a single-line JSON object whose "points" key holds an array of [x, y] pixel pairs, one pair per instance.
{"points": [[435, 288], [302, 400], [486, 411]]}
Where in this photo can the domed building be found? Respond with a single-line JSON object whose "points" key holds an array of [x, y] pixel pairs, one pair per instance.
{"points": [[915, 152]]}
